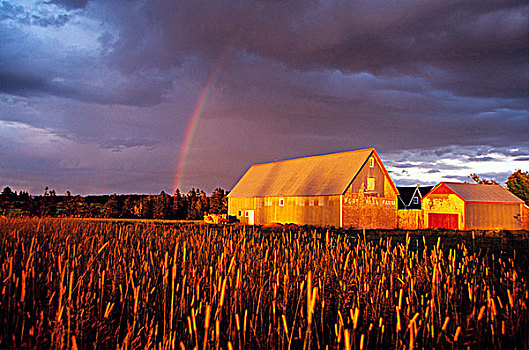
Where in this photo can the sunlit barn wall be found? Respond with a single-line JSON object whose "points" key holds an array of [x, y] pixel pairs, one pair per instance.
{"points": [[410, 219], [493, 216], [368, 201], [371, 205], [306, 210], [443, 203], [525, 217], [477, 206]]}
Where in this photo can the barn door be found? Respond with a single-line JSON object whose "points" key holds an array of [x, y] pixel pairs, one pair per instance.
{"points": [[250, 214], [448, 221]]}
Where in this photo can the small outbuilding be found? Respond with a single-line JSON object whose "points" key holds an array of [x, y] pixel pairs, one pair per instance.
{"points": [[410, 196], [409, 213], [346, 189], [466, 206]]}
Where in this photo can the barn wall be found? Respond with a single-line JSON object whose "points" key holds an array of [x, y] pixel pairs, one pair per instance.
{"points": [[370, 209], [360, 181], [410, 219], [309, 210], [236, 205], [444, 203], [494, 216], [525, 219]]}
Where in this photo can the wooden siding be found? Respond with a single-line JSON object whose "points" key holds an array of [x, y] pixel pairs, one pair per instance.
{"points": [[494, 216], [360, 181], [444, 203], [410, 219], [370, 209], [525, 218], [306, 210]]}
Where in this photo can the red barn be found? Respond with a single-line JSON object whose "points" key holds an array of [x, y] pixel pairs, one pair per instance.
{"points": [[466, 206]]}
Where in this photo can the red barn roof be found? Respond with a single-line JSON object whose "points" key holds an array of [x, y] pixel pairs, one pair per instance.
{"points": [[476, 192]]}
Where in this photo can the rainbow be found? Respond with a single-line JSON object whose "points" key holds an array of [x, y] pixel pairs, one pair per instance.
{"points": [[192, 125], [199, 107]]}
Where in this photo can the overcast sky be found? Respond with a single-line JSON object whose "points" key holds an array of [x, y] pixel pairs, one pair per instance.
{"points": [[97, 96]]}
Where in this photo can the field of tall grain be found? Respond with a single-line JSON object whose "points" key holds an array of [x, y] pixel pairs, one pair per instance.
{"points": [[82, 284]]}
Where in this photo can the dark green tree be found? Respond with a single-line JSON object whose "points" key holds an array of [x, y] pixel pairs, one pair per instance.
{"points": [[47, 206], [111, 209], [66, 208], [143, 209], [191, 202], [162, 206], [82, 209], [23, 196], [204, 204], [483, 181], [128, 207], [5, 200], [518, 184], [30, 207], [217, 202], [179, 206], [7, 193]]}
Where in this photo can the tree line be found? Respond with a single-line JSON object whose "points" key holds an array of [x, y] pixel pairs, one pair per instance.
{"points": [[191, 206], [517, 183]]}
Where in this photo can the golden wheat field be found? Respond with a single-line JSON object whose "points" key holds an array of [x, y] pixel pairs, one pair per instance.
{"points": [[83, 284]]}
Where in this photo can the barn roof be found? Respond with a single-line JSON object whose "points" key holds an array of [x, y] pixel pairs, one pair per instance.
{"points": [[321, 175], [424, 190], [481, 193]]}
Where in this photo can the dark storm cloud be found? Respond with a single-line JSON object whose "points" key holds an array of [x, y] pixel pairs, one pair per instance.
{"points": [[472, 48], [478, 152], [480, 159], [136, 91], [403, 165], [29, 67], [120, 144], [69, 4]]}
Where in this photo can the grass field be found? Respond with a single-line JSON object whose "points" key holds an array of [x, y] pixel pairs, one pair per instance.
{"points": [[85, 284]]}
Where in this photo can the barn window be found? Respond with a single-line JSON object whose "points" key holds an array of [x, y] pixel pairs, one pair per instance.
{"points": [[311, 202], [320, 202], [246, 214], [268, 202], [240, 213], [370, 183], [371, 162], [281, 202]]}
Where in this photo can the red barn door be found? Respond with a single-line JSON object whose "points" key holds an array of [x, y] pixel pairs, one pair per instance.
{"points": [[448, 221]]}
